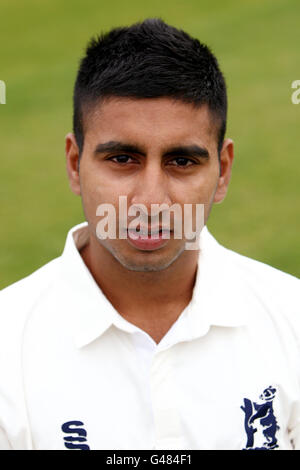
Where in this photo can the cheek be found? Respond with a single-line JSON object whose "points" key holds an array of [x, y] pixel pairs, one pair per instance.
{"points": [[201, 190], [95, 188]]}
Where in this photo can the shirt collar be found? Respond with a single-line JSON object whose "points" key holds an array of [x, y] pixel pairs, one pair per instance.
{"points": [[90, 312], [219, 293], [216, 296]]}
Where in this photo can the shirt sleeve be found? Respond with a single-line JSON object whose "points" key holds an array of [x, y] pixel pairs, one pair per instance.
{"points": [[294, 430], [4, 442], [294, 421]]}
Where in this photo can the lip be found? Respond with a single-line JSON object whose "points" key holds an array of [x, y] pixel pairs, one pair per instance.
{"points": [[146, 242]]}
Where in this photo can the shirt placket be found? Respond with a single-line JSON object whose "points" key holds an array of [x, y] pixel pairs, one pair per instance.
{"points": [[167, 423]]}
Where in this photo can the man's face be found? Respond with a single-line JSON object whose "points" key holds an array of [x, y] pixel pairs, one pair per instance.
{"points": [[153, 151]]}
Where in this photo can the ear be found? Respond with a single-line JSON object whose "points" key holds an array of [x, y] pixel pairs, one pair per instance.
{"points": [[226, 160], [72, 161]]}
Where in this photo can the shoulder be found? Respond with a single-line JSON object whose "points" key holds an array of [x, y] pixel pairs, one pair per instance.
{"points": [[258, 276], [258, 289], [18, 299], [263, 277], [17, 302], [30, 286], [270, 292]]}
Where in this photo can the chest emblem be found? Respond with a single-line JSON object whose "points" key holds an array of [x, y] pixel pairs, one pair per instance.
{"points": [[260, 421]]}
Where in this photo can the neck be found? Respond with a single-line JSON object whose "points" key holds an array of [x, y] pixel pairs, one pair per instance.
{"points": [[150, 300]]}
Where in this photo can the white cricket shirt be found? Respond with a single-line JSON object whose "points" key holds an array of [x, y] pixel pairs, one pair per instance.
{"points": [[74, 374]]}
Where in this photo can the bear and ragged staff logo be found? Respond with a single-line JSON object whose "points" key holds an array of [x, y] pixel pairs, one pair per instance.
{"points": [[260, 417]]}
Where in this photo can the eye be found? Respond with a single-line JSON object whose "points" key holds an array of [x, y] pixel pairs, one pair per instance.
{"points": [[182, 162], [122, 159]]}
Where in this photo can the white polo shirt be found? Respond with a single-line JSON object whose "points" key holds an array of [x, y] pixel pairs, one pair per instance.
{"points": [[75, 374]]}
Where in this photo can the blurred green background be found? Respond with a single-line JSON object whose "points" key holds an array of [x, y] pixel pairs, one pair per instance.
{"points": [[257, 44]]}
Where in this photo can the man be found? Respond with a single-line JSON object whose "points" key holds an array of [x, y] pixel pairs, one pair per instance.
{"points": [[138, 341]]}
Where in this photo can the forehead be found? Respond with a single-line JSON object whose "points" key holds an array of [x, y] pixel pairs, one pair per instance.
{"points": [[150, 121]]}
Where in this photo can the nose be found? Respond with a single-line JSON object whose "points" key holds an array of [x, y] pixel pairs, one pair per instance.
{"points": [[151, 186]]}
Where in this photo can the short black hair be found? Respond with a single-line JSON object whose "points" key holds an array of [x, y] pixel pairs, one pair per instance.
{"points": [[150, 59]]}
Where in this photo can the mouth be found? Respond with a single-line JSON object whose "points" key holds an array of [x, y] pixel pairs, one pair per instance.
{"points": [[141, 232], [147, 239]]}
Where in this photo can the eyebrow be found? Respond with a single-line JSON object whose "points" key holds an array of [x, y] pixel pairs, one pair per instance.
{"points": [[177, 151]]}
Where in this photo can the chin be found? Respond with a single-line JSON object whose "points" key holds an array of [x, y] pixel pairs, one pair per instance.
{"points": [[158, 261], [146, 268], [144, 261]]}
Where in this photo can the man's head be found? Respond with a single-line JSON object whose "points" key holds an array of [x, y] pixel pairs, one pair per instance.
{"points": [[149, 121], [149, 60]]}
